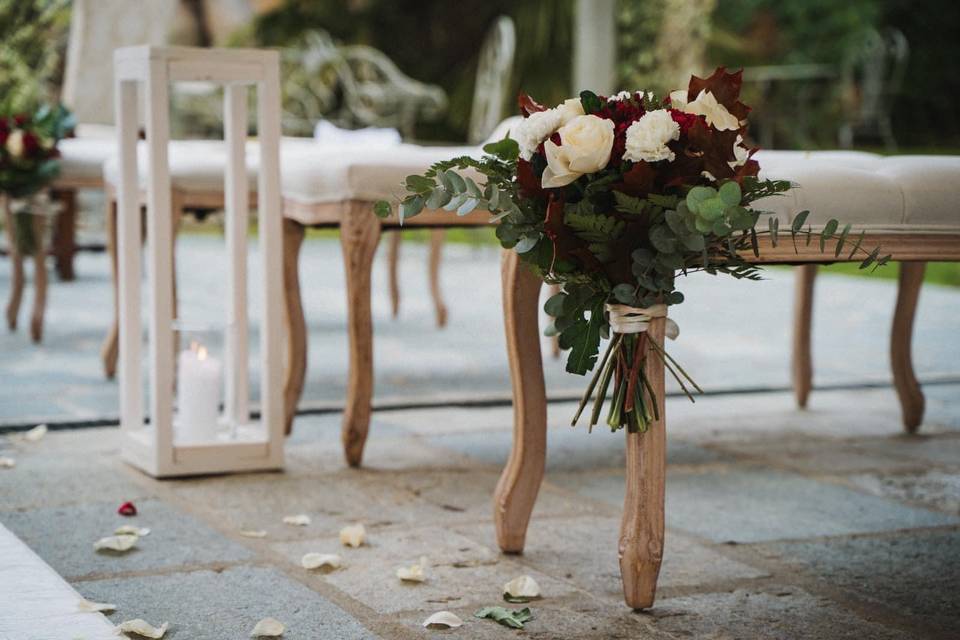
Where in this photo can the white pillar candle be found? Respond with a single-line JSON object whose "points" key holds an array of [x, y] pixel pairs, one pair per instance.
{"points": [[199, 380]]}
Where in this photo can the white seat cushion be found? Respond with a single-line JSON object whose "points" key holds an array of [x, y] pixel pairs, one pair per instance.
{"points": [[81, 159]]}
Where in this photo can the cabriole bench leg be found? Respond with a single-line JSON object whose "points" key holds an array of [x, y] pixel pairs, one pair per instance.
{"points": [[802, 361], [520, 481], [641, 530], [359, 235], [901, 335], [437, 237], [296, 370]]}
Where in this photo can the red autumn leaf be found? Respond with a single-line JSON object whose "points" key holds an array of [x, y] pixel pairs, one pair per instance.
{"points": [[528, 105], [716, 147], [528, 180], [127, 509], [565, 244], [637, 182], [725, 87]]}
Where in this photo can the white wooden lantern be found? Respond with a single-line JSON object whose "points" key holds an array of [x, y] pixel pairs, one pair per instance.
{"points": [[240, 444]]}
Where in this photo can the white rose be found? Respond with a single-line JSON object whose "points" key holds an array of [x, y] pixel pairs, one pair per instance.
{"points": [[534, 129], [716, 114], [569, 110], [647, 138], [15, 143], [587, 143]]}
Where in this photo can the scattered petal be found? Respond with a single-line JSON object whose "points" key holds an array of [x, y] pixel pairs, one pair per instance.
{"points": [[88, 607], [300, 520], [268, 627], [443, 620], [7, 463], [506, 617], [353, 535], [253, 533], [329, 561], [36, 434], [414, 573], [127, 509], [143, 628], [116, 543], [130, 530], [521, 589]]}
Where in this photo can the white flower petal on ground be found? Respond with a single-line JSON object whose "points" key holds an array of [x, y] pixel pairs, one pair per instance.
{"points": [[647, 138], [143, 628], [706, 105], [414, 573], [300, 520], [329, 561], [443, 620], [131, 530], [86, 606], [268, 628], [522, 587], [253, 533], [36, 434], [116, 543], [353, 535], [7, 463]]}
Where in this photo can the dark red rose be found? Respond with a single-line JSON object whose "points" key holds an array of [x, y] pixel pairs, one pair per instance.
{"points": [[4, 134], [20, 119], [127, 509], [30, 144]]}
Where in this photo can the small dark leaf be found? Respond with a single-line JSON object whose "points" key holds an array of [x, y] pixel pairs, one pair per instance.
{"points": [[382, 209], [798, 221], [841, 241]]}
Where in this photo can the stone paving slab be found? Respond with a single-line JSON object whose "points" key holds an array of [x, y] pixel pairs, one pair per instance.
{"points": [[64, 537], [225, 605], [933, 489], [460, 573], [915, 573]]}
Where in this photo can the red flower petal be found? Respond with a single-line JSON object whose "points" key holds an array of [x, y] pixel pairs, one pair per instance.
{"points": [[127, 509]]}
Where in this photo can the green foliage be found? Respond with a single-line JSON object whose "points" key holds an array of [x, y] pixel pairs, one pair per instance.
{"points": [[32, 38], [514, 619]]}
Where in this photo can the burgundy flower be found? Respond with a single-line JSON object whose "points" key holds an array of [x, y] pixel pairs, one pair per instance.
{"points": [[685, 120], [20, 119], [30, 144]]}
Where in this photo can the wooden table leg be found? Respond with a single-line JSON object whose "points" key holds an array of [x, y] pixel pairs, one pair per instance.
{"points": [[39, 277], [901, 335], [296, 370], [393, 268], [520, 481], [641, 530], [64, 242], [359, 235], [436, 255], [555, 340], [802, 361], [16, 263], [109, 349]]}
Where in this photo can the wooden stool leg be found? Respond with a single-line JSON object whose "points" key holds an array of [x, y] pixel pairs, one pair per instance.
{"points": [[436, 254], [802, 366], [64, 243], [39, 278], [293, 316], [901, 361], [16, 263], [641, 530], [110, 349], [359, 235], [519, 483], [393, 268], [555, 340]]}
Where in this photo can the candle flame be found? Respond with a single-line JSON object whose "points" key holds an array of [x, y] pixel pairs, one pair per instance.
{"points": [[201, 352]]}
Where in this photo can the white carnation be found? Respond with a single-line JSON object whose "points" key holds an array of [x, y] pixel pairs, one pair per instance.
{"points": [[623, 95], [534, 129], [647, 138]]}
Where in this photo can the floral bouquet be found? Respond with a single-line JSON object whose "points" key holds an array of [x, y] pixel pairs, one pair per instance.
{"points": [[29, 161], [612, 198]]}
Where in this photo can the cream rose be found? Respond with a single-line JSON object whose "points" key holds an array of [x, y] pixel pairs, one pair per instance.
{"points": [[15, 143], [569, 110], [586, 145], [647, 138]]}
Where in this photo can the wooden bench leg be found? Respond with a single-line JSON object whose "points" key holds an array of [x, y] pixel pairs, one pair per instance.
{"points": [[802, 362], [39, 278], [393, 268], [641, 530], [16, 274], [359, 235], [520, 481], [555, 340], [109, 349], [64, 242], [293, 315], [436, 255], [901, 361]]}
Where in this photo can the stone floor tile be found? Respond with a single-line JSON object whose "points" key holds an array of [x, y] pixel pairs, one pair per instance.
{"points": [[64, 537], [754, 504], [460, 571], [785, 613], [914, 573], [584, 551], [934, 489], [923, 449], [225, 605]]}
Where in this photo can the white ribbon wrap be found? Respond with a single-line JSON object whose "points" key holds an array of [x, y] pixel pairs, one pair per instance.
{"points": [[627, 319]]}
